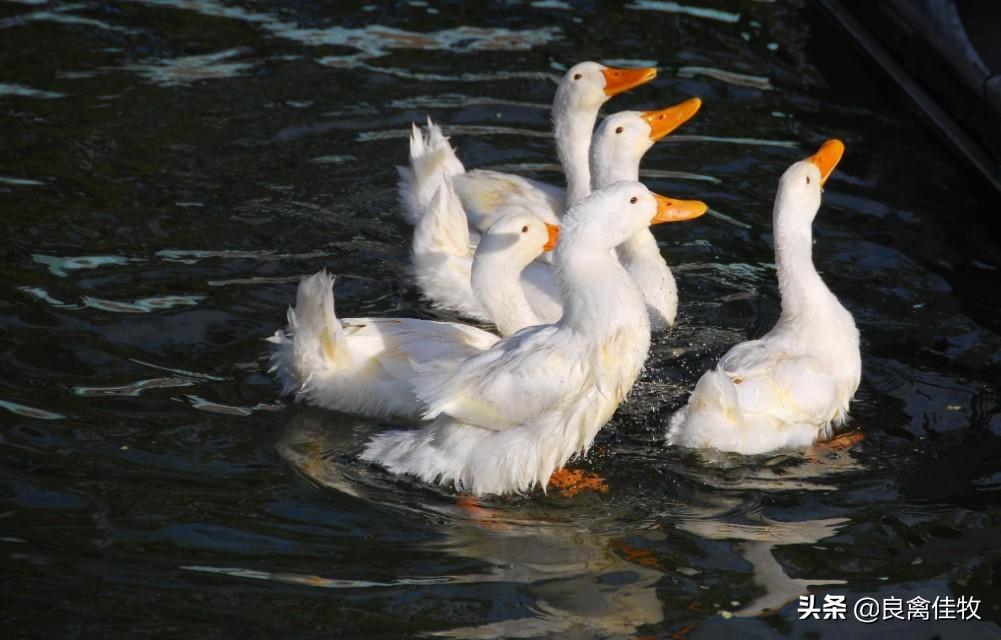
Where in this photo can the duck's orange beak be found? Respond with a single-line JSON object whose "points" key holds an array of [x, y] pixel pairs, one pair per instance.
{"points": [[665, 121], [827, 157], [674, 210], [619, 80], [554, 234]]}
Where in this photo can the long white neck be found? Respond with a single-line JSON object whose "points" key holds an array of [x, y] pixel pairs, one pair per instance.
{"points": [[599, 297], [497, 287], [609, 167], [572, 127], [805, 298], [640, 254]]}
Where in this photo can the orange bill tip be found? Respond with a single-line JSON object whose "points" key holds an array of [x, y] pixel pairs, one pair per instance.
{"points": [[827, 157], [675, 210], [554, 234], [664, 121], [619, 80]]}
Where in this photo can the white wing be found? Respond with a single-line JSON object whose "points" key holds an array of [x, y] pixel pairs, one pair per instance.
{"points": [[790, 387], [520, 378], [486, 195]]}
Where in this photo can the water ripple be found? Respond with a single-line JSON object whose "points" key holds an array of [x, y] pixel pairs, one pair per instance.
{"points": [[61, 265], [61, 15], [730, 77], [20, 182], [141, 305], [375, 40], [468, 76], [183, 372], [462, 129], [30, 412], [7, 89], [458, 100], [179, 71], [192, 256], [756, 142], [133, 389], [674, 7], [232, 410], [318, 581]]}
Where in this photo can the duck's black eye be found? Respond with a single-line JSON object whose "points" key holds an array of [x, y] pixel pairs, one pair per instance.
{"points": [[633, 200], [577, 76], [618, 129], [808, 179], [524, 229]]}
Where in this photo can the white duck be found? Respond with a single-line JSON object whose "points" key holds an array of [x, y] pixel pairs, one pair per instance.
{"points": [[366, 365], [486, 195], [494, 283], [506, 419], [793, 386], [442, 257], [617, 148]]}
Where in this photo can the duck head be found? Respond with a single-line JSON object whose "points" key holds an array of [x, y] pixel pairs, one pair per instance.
{"points": [[610, 216], [588, 85], [517, 239], [622, 138], [798, 198]]}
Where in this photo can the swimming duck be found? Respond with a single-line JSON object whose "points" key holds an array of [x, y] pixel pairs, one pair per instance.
{"points": [[792, 386], [617, 148], [485, 194], [494, 282], [442, 257], [506, 419], [366, 365]]}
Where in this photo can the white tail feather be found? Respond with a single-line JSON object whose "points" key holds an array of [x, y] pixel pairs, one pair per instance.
{"points": [[314, 339], [429, 155], [442, 255]]}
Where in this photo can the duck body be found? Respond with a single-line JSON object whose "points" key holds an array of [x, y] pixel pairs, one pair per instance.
{"points": [[364, 366], [367, 365], [504, 420], [793, 386]]}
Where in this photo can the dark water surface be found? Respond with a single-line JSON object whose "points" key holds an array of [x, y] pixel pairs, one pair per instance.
{"points": [[169, 170]]}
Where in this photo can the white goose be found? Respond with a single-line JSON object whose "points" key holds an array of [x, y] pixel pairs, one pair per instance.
{"points": [[442, 257], [506, 419], [366, 365], [486, 195], [793, 386]]}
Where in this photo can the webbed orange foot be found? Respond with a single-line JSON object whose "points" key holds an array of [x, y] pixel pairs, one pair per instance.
{"points": [[570, 482], [837, 443]]}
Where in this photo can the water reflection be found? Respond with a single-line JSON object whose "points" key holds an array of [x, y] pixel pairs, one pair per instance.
{"points": [[757, 545], [585, 575], [577, 579]]}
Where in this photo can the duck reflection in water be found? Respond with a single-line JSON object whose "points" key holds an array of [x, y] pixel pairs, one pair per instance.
{"points": [[575, 566]]}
